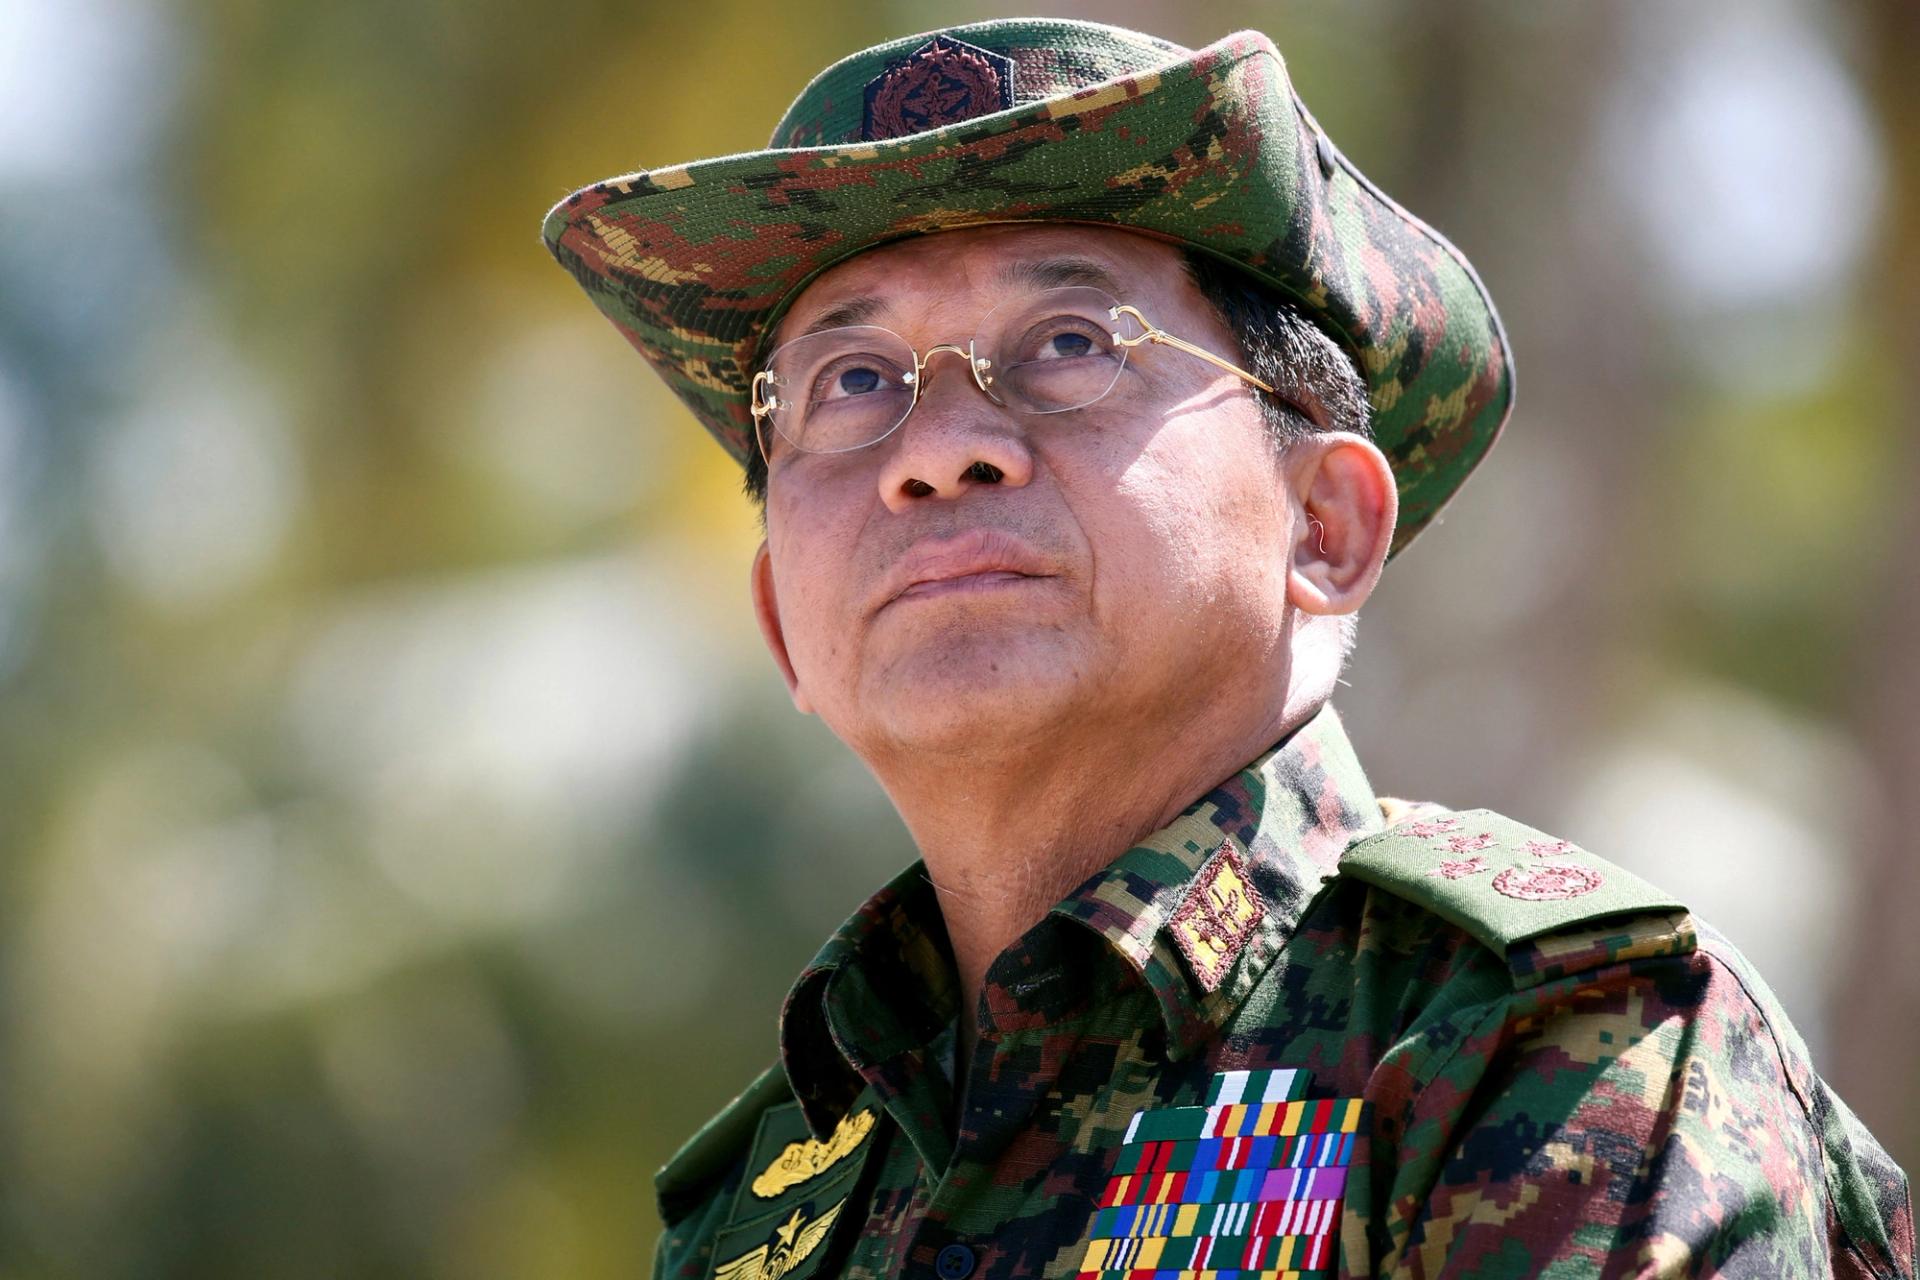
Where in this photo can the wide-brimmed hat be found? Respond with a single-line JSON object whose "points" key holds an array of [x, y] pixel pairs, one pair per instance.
{"points": [[1049, 120]]}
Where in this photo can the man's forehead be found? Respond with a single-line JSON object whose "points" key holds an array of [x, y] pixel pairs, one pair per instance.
{"points": [[928, 270]]}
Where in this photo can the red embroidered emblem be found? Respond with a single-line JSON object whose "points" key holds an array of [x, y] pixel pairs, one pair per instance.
{"points": [[942, 82], [1467, 844], [1431, 827], [1457, 868], [1548, 848], [1546, 883], [1219, 915]]}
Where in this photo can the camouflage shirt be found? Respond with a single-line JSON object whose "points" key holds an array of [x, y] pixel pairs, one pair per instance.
{"points": [[1493, 1053]]}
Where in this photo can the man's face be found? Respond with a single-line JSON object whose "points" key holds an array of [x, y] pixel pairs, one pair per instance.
{"points": [[1103, 565]]}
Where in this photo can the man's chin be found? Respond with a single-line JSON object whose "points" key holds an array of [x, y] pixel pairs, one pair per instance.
{"points": [[970, 692]]}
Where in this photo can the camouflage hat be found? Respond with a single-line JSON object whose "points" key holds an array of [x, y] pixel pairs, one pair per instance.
{"points": [[1049, 120]]}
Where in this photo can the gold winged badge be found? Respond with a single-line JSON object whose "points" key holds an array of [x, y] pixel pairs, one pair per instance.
{"points": [[793, 1242], [803, 1161]]}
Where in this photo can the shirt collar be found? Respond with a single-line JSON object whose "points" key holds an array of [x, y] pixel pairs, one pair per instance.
{"points": [[893, 985], [1286, 818], [1280, 823]]}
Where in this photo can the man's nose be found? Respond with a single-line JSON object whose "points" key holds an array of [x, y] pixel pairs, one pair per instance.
{"points": [[954, 439]]}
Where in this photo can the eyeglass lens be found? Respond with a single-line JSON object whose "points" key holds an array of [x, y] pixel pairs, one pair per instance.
{"points": [[1043, 352]]}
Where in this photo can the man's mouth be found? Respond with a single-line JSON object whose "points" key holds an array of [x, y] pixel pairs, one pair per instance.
{"points": [[978, 560], [987, 580]]}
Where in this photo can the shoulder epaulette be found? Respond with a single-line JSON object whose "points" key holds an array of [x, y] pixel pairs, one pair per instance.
{"points": [[720, 1141], [1545, 905]]}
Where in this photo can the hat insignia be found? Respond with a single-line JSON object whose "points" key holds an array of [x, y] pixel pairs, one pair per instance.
{"points": [[942, 82]]}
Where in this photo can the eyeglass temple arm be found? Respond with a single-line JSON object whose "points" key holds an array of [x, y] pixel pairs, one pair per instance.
{"points": [[1161, 337]]}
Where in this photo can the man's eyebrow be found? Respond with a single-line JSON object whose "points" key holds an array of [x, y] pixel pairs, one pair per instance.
{"points": [[860, 310], [1046, 273], [1058, 273]]}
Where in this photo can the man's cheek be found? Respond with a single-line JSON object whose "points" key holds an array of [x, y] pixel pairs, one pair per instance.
{"points": [[810, 643], [1153, 542], [838, 623]]}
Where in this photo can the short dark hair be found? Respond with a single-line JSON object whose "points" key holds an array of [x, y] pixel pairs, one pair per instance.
{"points": [[1287, 350], [1277, 341]]}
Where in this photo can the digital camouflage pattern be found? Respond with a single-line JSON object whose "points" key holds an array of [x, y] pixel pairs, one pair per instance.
{"points": [[696, 263], [1549, 1090]]}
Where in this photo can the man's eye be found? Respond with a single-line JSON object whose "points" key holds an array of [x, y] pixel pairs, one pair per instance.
{"points": [[858, 382], [1062, 338], [841, 380]]}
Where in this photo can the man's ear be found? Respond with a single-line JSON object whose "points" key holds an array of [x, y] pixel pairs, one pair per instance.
{"points": [[766, 611], [1346, 504]]}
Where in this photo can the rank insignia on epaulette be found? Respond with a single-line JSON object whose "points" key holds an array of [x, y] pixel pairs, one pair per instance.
{"points": [[1247, 1185], [1216, 918]]}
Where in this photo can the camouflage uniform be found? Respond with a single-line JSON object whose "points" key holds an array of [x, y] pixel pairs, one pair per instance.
{"points": [[1562, 1072]]}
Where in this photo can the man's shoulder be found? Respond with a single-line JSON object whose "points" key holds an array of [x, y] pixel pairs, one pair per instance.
{"points": [[1541, 903], [1605, 958], [1869, 1203]]}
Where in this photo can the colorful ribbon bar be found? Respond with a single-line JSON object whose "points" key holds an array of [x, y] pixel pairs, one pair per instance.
{"points": [[1258, 1217], [1243, 1186], [1278, 1084], [1248, 1185], [1245, 1120], [1168, 1273], [1302, 1150], [1184, 1253]]}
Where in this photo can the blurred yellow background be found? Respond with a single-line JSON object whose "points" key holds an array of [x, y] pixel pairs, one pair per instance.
{"points": [[408, 841]]}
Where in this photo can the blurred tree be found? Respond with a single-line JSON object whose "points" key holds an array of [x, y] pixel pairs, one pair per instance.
{"points": [[1879, 1005]]}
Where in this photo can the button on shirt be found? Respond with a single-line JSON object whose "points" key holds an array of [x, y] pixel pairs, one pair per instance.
{"points": [[1643, 1115]]}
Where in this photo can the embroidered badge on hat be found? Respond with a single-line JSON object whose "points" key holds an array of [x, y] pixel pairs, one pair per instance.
{"points": [[942, 82], [1220, 912], [1247, 1185]]}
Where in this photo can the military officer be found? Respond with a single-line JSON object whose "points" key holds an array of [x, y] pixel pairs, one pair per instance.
{"points": [[1087, 388]]}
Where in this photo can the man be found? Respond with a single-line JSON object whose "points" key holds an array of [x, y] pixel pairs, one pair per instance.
{"points": [[1068, 510]]}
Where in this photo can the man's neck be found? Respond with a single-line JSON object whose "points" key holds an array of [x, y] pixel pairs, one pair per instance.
{"points": [[1007, 837]]}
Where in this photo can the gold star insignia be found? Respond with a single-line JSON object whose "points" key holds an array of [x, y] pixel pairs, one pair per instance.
{"points": [[793, 1243]]}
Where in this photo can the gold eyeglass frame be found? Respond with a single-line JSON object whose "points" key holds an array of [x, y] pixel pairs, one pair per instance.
{"points": [[763, 408]]}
